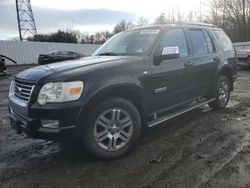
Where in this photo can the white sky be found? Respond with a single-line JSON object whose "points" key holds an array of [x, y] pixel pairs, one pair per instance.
{"points": [[146, 8]]}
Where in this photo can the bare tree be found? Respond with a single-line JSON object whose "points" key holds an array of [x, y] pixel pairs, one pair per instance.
{"points": [[122, 26], [161, 19], [232, 16], [142, 22]]}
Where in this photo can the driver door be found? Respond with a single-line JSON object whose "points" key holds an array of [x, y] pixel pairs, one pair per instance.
{"points": [[166, 75]]}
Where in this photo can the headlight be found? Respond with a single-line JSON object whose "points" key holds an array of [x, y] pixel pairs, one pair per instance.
{"points": [[12, 89], [56, 92]]}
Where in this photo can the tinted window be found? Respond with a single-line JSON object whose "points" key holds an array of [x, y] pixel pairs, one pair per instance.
{"points": [[71, 53], [224, 40], [210, 45], [198, 42], [175, 37], [62, 53]]}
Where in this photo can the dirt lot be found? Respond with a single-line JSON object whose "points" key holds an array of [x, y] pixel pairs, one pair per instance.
{"points": [[202, 148]]}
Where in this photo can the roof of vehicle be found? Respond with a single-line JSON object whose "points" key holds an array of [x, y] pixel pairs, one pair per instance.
{"points": [[201, 24], [186, 24]]}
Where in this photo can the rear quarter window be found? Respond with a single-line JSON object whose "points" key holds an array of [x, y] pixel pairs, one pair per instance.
{"points": [[210, 44], [224, 40]]}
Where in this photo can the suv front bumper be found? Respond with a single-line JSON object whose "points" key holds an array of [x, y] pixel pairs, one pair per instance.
{"points": [[35, 127]]}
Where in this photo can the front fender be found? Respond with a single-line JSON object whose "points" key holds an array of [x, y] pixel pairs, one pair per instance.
{"points": [[128, 90], [105, 89]]}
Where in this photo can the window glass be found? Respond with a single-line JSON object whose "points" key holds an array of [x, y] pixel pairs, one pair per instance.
{"points": [[210, 45], [224, 40], [134, 42], [70, 53], [175, 37], [199, 44], [62, 53]]}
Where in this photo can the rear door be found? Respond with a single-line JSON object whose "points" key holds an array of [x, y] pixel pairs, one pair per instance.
{"points": [[198, 76], [165, 79]]}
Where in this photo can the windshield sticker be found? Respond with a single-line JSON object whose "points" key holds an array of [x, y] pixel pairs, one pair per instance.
{"points": [[139, 51], [150, 32]]}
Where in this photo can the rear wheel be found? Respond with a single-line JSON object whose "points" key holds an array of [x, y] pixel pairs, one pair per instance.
{"points": [[222, 93], [112, 128]]}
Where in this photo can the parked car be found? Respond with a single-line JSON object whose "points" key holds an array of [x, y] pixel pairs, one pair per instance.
{"points": [[2, 65], [243, 57], [136, 80], [3, 69], [58, 56]]}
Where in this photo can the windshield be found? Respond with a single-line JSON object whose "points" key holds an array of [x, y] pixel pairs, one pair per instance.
{"points": [[54, 52], [135, 42]]}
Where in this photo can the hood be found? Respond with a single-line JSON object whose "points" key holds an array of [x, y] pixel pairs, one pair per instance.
{"points": [[39, 72]]}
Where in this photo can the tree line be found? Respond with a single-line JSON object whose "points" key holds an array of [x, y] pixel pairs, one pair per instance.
{"points": [[75, 36], [233, 16]]}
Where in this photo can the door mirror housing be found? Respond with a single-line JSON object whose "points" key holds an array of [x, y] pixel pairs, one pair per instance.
{"points": [[167, 53]]}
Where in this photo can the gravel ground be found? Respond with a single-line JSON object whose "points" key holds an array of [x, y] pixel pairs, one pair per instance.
{"points": [[202, 148]]}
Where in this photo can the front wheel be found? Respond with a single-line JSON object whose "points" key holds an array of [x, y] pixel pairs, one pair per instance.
{"points": [[222, 93], [112, 128]]}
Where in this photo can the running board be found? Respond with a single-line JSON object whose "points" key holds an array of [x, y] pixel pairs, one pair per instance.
{"points": [[167, 117]]}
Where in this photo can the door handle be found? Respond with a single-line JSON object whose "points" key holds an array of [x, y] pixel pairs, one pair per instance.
{"points": [[188, 63], [217, 59]]}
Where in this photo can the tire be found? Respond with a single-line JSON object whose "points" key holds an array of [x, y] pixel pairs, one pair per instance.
{"points": [[112, 128], [222, 93]]}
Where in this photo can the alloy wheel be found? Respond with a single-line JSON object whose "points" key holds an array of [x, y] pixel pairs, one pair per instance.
{"points": [[223, 92], [113, 129]]}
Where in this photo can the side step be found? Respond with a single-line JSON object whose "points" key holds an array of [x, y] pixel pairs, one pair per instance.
{"points": [[172, 115]]}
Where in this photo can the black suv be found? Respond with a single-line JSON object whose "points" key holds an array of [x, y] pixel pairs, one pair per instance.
{"points": [[137, 79]]}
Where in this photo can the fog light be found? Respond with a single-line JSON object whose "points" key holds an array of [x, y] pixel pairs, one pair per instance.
{"points": [[52, 124]]}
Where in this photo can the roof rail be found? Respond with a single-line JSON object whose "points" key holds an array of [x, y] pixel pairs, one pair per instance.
{"points": [[197, 24]]}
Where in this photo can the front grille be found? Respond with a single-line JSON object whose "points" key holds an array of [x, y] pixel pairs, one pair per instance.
{"points": [[23, 89]]}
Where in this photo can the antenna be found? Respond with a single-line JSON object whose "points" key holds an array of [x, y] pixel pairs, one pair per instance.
{"points": [[25, 19]]}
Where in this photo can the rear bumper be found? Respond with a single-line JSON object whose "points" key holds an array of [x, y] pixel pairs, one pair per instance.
{"points": [[245, 62]]}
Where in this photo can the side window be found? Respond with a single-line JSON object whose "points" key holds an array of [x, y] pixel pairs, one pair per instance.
{"points": [[175, 37], [198, 41], [62, 53], [210, 45], [224, 40], [70, 53]]}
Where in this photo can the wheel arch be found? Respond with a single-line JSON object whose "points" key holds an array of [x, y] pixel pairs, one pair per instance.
{"points": [[130, 92], [227, 71]]}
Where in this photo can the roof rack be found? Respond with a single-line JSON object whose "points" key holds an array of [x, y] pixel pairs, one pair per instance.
{"points": [[197, 24]]}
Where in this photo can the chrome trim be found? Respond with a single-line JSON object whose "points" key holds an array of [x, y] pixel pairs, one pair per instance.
{"points": [[23, 89], [24, 85], [18, 101], [159, 90], [22, 92], [20, 96], [167, 117]]}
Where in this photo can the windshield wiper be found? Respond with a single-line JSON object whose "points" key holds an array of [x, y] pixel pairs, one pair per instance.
{"points": [[108, 53]]}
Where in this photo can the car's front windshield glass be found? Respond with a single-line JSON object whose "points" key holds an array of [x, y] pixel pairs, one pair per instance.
{"points": [[134, 42]]}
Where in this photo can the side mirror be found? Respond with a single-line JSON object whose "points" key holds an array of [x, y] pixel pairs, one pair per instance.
{"points": [[167, 53]]}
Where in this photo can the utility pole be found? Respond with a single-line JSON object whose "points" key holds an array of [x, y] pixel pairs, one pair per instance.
{"points": [[25, 19]]}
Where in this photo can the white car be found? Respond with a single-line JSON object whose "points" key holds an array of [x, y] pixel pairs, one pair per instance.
{"points": [[243, 57]]}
